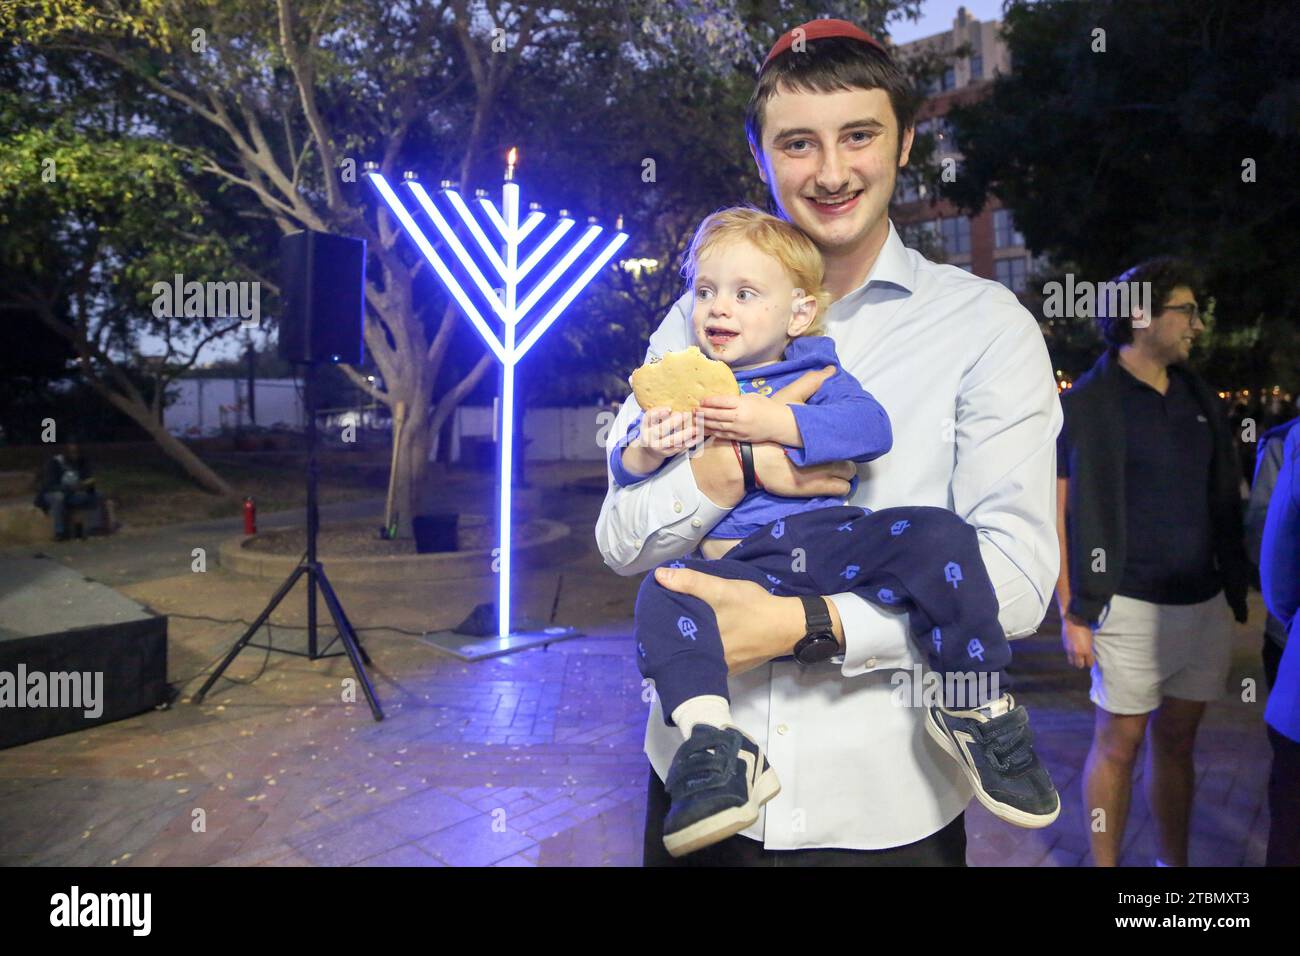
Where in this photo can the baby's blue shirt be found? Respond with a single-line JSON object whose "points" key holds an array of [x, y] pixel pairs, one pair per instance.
{"points": [[840, 422]]}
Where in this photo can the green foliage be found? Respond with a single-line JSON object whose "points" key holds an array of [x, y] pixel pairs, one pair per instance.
{"points": [[1111, 157]]}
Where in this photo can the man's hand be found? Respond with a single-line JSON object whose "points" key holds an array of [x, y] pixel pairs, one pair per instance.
{"points": [[718, 476], [1076, 635], [755, 625], [804, 387], [779, 475]]}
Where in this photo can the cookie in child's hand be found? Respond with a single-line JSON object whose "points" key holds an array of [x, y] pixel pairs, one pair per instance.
{"points": [[681, 380]]}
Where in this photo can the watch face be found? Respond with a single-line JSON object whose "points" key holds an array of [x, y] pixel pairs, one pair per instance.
{"points": [[816, 648]]}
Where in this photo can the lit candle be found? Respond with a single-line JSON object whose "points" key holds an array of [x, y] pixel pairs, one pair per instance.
{"points": [[510, 163]]}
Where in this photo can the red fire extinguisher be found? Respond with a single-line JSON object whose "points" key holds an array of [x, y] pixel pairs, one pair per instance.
{"points": [[250, 516]]}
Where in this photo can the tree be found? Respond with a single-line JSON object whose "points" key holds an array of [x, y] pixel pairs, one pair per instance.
{"points": [[283, 102], [1127, 130], [90, 216], [300, 95]]}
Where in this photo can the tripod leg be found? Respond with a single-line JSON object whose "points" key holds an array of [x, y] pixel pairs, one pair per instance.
{"points": [[349, 639], [361, 648], [285, 588]]}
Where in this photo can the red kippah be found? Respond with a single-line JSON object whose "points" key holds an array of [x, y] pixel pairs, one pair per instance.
{"points": [[819, 30]]}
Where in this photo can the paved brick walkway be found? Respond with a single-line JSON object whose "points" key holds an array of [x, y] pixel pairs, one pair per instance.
{"points": [[528, 760]]}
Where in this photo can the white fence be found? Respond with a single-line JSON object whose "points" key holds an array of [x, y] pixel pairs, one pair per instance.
{"points": [[204, 406], [551, 434]]}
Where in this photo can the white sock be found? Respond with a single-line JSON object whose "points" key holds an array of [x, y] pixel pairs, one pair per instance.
{"points": [[706, 709]]}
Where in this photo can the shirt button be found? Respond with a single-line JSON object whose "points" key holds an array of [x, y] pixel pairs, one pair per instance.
{"points": [[782, 729], [695, 522], [677, 506], [872, 662], [638, 543]]}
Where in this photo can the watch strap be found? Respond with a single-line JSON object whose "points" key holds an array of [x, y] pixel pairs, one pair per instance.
{"points": [[746, 451], [817, 616]]}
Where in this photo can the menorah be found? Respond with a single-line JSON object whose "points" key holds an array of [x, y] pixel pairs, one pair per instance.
{"points": [[502, 298]]}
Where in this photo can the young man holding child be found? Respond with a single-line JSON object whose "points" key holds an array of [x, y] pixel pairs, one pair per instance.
{"points": [[963, 374]]}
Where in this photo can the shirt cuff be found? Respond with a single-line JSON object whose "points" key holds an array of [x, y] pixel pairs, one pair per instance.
{"points": [[874, 639], [677, 514], [622, 476]]}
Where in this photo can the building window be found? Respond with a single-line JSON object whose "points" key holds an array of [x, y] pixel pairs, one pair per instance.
{"points": [[949, 79], [1012, 273], [1005, 234], [956, 235], [976, 67], [924, 237]]}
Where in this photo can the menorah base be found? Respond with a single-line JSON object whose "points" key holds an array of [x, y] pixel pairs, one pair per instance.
{"points": [[469, 647]]}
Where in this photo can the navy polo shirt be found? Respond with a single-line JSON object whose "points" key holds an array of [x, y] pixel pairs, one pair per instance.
{"points": [[1167, 473], [1169, 447]]}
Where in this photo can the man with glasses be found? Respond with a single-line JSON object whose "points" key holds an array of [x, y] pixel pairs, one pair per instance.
{"points": [[1153, 560]]}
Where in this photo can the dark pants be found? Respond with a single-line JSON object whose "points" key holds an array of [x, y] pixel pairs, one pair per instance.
{"points": [[1283, 802], [925, 561], [60, 503], [1272, 656], [945, 847], [1283, 780]]}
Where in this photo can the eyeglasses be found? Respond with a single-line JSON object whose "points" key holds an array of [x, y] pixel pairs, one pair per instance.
{"points": [[1190, 309]]}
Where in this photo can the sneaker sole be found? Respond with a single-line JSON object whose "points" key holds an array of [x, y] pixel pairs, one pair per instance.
{"points": [[1020, 818], [718, 827]]}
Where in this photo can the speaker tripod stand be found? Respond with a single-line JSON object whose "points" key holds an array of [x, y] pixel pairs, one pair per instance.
{"points": [[310, 566]]}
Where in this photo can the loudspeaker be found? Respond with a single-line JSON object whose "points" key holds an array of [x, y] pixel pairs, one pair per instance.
{"points": [[322, 287]]}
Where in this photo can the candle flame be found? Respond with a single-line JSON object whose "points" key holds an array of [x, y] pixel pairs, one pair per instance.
{"points": [[512, 155]]}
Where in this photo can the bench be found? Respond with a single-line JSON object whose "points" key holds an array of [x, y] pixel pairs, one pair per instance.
{"points": [[21, 522]]}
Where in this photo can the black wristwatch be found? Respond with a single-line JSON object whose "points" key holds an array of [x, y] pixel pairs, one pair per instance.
{"points": [[818, 643]]}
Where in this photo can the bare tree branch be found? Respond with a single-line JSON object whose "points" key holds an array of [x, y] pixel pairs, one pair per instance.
{"points": [[305, 78], [361, 382]]}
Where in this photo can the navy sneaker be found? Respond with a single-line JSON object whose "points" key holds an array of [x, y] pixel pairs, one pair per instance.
{"points": [[994, 747], [718, 781]]}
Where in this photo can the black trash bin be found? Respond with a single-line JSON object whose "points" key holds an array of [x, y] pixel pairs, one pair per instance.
{"points": [[434, 533]]}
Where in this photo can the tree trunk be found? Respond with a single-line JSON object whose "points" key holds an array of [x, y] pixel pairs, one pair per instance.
{"points": [[412, 469], [172, 446]]}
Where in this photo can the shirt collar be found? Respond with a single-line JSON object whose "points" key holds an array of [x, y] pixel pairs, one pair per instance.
{"points": [[1174, 370], [893, 267]]}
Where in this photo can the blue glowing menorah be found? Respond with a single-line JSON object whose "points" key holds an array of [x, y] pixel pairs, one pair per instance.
{"points": [[509, 310]]}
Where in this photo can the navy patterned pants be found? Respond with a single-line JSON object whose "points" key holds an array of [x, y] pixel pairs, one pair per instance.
{"points": [[923, 560]]}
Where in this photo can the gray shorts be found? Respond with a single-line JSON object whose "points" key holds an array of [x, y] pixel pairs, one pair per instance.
{"points": [[1147, 651]]}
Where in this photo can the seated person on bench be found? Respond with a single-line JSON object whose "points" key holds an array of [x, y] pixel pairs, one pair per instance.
{"points": [[67, 487]]}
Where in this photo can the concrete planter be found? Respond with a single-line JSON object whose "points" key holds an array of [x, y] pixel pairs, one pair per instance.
{"points": [[454, 565]]}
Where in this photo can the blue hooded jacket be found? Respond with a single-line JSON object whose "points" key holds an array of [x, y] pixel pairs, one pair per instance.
{"points": [[840, 422]]}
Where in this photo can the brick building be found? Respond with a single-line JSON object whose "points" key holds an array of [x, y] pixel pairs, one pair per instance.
{"points": [[988, 244]]}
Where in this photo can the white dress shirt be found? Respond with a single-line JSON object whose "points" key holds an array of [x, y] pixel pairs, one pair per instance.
{"points": [[962, 370]]}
